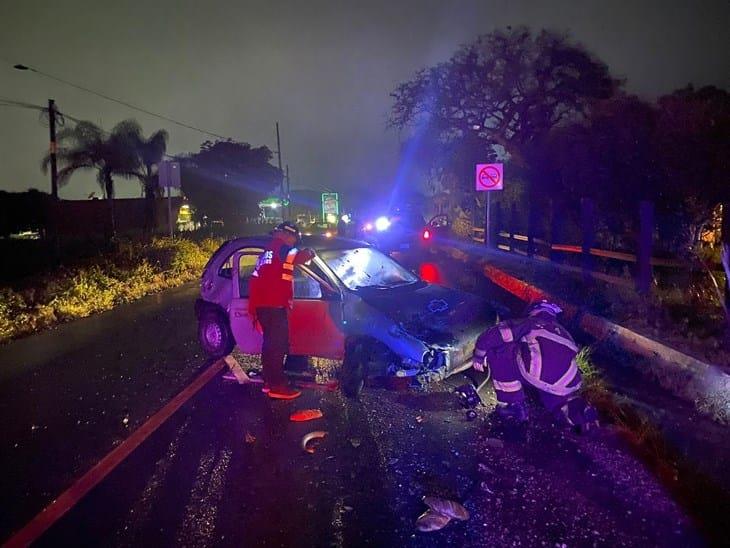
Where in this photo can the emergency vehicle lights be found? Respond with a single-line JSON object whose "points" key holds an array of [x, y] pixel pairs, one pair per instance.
{"points": [[382, 223], [368, 227], [426, 234]]}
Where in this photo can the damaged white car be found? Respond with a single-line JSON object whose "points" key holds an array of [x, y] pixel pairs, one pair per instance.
{"points": [[351, 303]]}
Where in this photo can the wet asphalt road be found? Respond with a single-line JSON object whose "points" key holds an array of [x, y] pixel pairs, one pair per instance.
{"points": [[227, 469]]}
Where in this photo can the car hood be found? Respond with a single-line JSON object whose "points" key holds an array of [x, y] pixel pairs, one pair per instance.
{"points": [[435, 314]]}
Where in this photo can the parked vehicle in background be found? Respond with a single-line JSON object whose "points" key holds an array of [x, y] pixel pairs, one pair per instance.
{"points": [[351, 303], [401, 230]]}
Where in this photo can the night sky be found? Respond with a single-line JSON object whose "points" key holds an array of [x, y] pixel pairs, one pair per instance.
{"points": [[324, 70]]}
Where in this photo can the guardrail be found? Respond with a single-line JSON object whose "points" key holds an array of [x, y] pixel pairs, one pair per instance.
{"points": [[478, 236]]}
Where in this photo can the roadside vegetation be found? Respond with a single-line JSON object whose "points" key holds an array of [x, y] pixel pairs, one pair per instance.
{"points": [[132, 270], [689, 483]]}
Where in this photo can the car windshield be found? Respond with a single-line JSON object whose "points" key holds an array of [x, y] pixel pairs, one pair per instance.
{"points": [[366, 267]]}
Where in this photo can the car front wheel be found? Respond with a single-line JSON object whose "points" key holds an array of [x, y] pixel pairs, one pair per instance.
{"points": [[214, 334], [354, 370]]}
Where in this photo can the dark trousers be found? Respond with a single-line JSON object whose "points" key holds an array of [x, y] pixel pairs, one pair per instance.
{"points": [[275, 324]]}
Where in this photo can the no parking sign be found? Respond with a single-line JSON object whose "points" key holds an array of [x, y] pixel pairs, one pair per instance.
{"points": [[489, 177]]}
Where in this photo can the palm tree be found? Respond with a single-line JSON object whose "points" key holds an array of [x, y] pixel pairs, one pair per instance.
{"points": [[150, 152], [88, 147]]}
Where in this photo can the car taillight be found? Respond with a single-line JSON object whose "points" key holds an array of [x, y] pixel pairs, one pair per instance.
{"points": [[427, 234]]}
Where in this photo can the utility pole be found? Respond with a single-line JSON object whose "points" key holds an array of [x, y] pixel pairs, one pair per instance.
{"points": [[53, 150], [288, 194], [278, 154]]}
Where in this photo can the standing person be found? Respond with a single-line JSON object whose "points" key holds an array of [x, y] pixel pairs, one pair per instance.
{"points": [[536, 350], [271, 297]]}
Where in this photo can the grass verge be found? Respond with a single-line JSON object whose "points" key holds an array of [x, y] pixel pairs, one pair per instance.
{"points": [[133, 270]]}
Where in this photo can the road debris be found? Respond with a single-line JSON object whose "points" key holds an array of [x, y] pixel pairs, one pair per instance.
{"points": [[355, 442], [316, 435], [250, 438], [306, 415], [471, 415], [419, 419], [431, 521], [468, 396], [447, 507]]}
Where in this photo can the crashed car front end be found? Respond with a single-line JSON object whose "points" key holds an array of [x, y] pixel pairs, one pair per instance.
{"points": [[431, 332]]}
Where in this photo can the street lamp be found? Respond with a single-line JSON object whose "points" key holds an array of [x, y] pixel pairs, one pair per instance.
{"points": [[53, 149]]}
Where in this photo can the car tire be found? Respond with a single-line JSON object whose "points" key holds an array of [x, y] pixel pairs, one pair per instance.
{"points": [[214, 334], [354, 370]]}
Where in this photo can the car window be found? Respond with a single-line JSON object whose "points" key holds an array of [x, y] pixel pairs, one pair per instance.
{"points": [[226, 269], [366, 267], [246, 265], [306, 287]]}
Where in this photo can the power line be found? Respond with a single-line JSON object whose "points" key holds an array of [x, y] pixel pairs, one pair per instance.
{"points": [[124, 103]]}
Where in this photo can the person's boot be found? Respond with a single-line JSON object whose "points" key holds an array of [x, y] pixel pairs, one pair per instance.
{"points": [[284, 393], [577, 414], [512, 412]]}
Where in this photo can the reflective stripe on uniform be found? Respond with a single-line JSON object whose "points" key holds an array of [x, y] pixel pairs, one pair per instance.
{"points": [[506, 333], [287, 277], [288, 266], [291, 255], [511, 386], [560, 387]]}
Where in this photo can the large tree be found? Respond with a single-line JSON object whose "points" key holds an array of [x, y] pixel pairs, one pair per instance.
{"points": [[86, 146], [225, 180], [503, 93]]}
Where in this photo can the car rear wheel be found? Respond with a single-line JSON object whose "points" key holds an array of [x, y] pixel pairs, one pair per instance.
{"points": [[214, 334], [354, 370]]}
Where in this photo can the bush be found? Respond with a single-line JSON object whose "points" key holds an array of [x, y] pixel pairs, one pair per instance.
{"points": [[132, 271]]}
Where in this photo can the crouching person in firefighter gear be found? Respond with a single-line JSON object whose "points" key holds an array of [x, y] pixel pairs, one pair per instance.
{"points": [[271, 296], [539, 352]]}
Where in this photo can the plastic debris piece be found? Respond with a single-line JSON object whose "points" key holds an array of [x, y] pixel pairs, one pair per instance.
{"points": [[306, 415], [316, 435], [447, 507], [250, 438], [355, 442], [431, 521], [419, 418]]}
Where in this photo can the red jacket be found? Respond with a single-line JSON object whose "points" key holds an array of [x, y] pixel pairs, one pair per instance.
{"points": [[271, 283]]}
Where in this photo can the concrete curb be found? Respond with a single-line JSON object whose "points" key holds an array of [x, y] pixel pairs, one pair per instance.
{"points": [[706, 385]]}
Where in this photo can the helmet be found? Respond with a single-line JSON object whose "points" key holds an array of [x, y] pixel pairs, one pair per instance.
{"points": [[289, 228], [543, 306]]}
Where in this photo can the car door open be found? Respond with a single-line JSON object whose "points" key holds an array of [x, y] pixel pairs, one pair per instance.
{"points": [[315, 321], [248, 338]]}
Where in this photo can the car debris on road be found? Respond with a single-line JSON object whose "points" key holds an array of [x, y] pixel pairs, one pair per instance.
{"points": [[311, 436], [306, 415]]}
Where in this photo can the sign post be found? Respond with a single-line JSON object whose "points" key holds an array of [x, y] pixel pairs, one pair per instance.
{"points": [[489, 177], [168, 176]]}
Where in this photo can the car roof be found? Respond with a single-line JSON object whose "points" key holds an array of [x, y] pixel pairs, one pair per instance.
{"points": [[316, 242]]}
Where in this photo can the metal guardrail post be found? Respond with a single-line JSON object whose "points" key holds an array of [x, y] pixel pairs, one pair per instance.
{"points": [[646, 233]]}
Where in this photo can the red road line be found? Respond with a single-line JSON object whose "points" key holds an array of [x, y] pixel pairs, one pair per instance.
{"points": [[33, 530]]}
